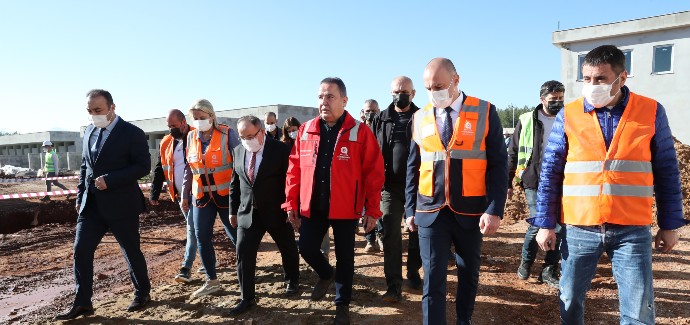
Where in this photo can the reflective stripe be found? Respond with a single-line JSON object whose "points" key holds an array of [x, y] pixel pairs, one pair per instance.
{"points": [[467, 154], [482, 123], [214, 188], [581, 190], [224, 151], [628, 190], [354, 131], [305, 134], [432, 156], [167, 168], [611, 165], [199, 171]]}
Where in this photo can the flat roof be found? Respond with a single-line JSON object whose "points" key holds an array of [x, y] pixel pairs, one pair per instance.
{"points": [[627, 27]]}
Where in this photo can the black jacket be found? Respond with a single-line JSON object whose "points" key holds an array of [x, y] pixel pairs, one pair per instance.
{"points": [[262, 199], [383, 126], [530, 178]]}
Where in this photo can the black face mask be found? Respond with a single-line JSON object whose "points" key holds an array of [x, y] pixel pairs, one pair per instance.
{"points": [[176, 133], [369, 116], [554, 106], [401, 101]]}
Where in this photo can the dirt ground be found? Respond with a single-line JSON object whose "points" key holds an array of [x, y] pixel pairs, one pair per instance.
{"points": [[36, 279]]}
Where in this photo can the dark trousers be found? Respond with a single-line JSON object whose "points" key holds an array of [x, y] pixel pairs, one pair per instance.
{"points": [[53, 182], [91, 227], [414, 258], [434, 241], [248, 240], [311, 234], [393, 208]]}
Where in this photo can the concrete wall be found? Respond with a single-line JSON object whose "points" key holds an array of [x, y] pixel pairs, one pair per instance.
{"points": [[14, 160]]}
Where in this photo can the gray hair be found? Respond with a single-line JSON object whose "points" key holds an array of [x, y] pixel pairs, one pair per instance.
{"points": [[251, 119]]}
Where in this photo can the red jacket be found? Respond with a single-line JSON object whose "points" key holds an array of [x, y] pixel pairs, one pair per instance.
{"points": [[357, 174]]}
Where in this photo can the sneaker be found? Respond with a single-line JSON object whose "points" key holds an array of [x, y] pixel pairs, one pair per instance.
{"points": [[549, 275], [392, 295], [379, 241], [524, 270], [184, 276], [208, 288], [370, 247]]}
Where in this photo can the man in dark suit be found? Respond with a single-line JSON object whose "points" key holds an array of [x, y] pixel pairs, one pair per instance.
{"points": [[256, 194], [115, 156]]}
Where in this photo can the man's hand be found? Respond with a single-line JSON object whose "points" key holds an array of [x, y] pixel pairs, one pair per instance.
{"points": [[546, 238], [488, 224], [184, 205], [665, 240], [233, 220], [100, 183], [369, 223], [153, 202], [510, 194], [293, 218], [410, 224]]}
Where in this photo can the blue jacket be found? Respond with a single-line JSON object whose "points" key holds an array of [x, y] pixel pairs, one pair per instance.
{"points": [[667, 190]]}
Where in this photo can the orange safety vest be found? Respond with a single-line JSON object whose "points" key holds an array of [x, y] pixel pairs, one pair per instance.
{"points": [[167, 150], [463, 190], [211, 170], [614, 186]]}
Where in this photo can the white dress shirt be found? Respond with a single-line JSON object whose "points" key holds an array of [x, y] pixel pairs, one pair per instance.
{"points": [[441, 113]]}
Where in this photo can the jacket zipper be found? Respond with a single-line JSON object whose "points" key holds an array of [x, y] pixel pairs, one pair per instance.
{"points": [[356, 192]]}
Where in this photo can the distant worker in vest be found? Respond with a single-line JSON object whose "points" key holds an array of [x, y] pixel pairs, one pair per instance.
{"points": [[51, 168], [334, 173], [272, 129], [172, 168], [610, 154], [456, 187], [290, 127], [209, 154], [393, 130], [374, 238], [524, 165]]}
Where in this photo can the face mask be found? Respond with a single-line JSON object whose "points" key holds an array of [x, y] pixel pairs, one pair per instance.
{"points": [[441, 98], [369, 116], [176, 133], [251, 145], [270, 127], [401, 101], [554, 106], [599, 95], [202, 125], [100, 121], [293, 134]]}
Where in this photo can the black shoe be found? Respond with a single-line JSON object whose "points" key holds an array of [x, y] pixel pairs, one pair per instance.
{"points": [[45, 198], [139, 302], [75, 312], [414, 281], [243, 307], [291, 289], [549, 275], [321, 288], [185, 275], [342, 315], [524, 270], [392, 295]]}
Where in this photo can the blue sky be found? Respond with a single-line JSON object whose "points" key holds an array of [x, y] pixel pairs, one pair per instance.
{"points": [[157, 55]]}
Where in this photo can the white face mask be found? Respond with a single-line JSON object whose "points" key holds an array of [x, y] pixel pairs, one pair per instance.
{"points": [[599, 95], [441, 98], [202, 125], [100, 121], [293, 134], [252, 145], [270, 127]]}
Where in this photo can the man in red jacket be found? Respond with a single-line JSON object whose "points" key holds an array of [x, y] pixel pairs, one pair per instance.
{"points": [[335, 171]]}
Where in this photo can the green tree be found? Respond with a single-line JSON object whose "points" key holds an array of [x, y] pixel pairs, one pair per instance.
{"points": [[509, 115]]}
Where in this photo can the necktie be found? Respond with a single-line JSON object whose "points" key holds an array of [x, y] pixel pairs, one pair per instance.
{"points": [[97, 146], [447, 130], [250, 170]]}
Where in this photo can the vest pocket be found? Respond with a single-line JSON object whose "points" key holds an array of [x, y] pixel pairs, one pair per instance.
{"points": [[473, 177], [426, 178]]}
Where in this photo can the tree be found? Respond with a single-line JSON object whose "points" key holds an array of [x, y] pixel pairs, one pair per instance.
{"points": [[509, 115], [8, 133]]}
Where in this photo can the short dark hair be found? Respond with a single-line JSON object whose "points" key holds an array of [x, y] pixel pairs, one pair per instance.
{"points": [[100, 92], [177, 114], [551, 86], [606, 54], [251, 119], [271, 114], [338, 82]]}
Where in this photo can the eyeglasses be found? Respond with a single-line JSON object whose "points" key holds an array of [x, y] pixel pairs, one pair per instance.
{"points": [[252, 137]]}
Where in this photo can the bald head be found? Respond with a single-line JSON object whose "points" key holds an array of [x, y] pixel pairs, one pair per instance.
{"points": [[403, 92], [177, 120], [175, 115], [402, 81], [444, 63]]}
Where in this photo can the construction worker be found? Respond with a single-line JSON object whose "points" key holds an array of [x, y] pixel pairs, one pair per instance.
{"points": [[51, 168]]}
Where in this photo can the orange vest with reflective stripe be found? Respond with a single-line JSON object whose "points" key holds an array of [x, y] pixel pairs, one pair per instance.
{"points": [[211, 170], [167, 150], [614, 186], [456, 176]]}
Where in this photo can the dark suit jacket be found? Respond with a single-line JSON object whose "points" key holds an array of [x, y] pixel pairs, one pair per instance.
{"points": [[123, 159], [264, 197]]}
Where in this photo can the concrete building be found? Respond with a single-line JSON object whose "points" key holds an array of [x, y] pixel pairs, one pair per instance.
{"points": [[657, 51]]}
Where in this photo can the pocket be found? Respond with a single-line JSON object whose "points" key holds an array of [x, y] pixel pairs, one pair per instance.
{"points": [[473, 177], [426, 178], [468, 127]]}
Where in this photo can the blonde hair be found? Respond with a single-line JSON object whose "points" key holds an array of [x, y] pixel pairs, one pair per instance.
{"points": [[205, 106]]}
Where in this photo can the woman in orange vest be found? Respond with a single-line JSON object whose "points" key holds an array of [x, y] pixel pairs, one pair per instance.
{"points": [[209, 154]]}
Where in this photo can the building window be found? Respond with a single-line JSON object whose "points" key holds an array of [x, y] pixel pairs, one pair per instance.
{"points": [[663, 59], [628, 61], [580, 61]]}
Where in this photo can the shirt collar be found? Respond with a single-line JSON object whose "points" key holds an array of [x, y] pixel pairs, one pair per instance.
{"points": [[455, 105]]}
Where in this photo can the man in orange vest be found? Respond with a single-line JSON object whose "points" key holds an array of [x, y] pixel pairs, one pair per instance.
{"points": [[172, 167], [609, 155], [456, 187]]}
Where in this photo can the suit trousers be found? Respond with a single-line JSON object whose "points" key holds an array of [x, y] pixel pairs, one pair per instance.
{"points": [[434, 241], [91, 227], [248, 241]]}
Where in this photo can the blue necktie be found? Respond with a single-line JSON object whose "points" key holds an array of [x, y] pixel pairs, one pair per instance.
{"points": [[447, 130], [97, 146]]}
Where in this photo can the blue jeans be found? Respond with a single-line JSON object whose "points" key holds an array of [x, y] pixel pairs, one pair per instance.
{"points": [[530, 248], [191, 246], [630, 250], [204, 218]]}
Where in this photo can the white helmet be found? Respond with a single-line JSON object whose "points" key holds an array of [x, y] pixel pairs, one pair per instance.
{"points": [[47, 143]]}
